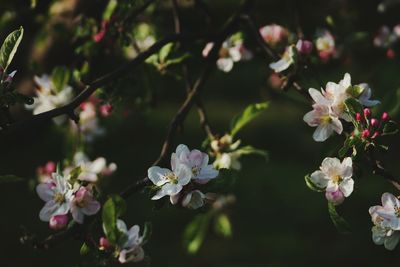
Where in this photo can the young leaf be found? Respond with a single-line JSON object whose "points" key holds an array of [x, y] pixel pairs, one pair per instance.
{"points": [[9, 48], [5, 179], [113, 208], [164, 52], [250, 113], [84, 249], [341, 225], [148, 229], [222, 226], [109, 10], [195, 232], [247, 150], [311, 185], [60, 77]]}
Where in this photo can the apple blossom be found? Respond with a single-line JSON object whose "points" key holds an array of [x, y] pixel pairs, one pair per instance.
{"points": [[197, 161], [232, 50], [386, 221], [88, 122], [225, 152], [48, 97], [58, 222], [131, 249], [273, 34], [325, 44], [286, 61], [325, 120], [385, 37], [44, 172], [171, 182], [83, 203], [194, 199], [365, 96], [57, 195], [333, 176]]}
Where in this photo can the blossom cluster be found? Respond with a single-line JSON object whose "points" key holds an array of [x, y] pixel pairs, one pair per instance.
{"points": [[189, 168], [387, 38], [72, 190], [329, 106], [232, 50]]}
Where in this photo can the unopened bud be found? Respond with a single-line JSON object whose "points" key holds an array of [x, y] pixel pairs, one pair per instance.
{"points": [[367, 112], [390, 53], [385, 116], [104, 243], [304, 47], [358, 117], [375, 135], [106, 109], [366, 133], [336, 197], [58, 222], [374, 122]]}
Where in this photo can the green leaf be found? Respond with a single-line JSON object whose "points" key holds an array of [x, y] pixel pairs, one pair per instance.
{"points": [[350, 142], [249, 114], [247, 150], [176, 60], [60, 77], [9, 48], [390, 128], [164, 52], [84, 249], [9, 178], [113, 208], [341, 225], [353, 106], [222, 226], [195, 232], [310, 184]]}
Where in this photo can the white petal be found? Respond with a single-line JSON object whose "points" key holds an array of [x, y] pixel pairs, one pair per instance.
{"points": [[45, 191], [319, 179], [48, 210], [225, 64], [184, 174], [98, 165], [331, 166], [157, 175], [322, 132], [318, 97], [347, 186], [332, 187], [347, 168], [389, 201], [280, 65]]}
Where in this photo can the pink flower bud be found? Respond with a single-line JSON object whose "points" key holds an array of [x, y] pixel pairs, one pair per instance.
{"points": [[385, 116], [374, 122], [58, 222], [104, 243], [50, 167], [390, 54], [358, 117], [336, 198], [366, 133], [106, 109], [367, 112], [304, 47]]}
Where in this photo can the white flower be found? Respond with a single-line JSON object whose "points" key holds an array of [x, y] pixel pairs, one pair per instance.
{"points": [[228, 161], [326, 122], [131, 249], [335, 175], [286, 61], [88, 122], [57, 196], [231, 51], [273, 34], [387, 222], [325, 44], [90, 170], [197, 161], [337, 94], [171, 182], [83, 203], [49, 98]]}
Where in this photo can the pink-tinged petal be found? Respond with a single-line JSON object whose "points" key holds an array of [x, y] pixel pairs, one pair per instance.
{"points": [[45, 191], [389, 201], [91, 207], [58, 222], [347, 186], [131, 255], [331, 186], [49, 210], [311, 118], [336, 197], [319, 179], [196, 158], [77, 215]]}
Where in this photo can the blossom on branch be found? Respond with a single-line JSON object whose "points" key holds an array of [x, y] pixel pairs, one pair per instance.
{"points": [[288, 59], [274, 34], [131, 250]]}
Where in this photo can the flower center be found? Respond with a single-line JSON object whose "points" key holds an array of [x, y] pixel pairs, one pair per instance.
{"points": [[337, 179], [195, 170], [171, 177], [59, 198], [223, 53], [326, 119]]}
